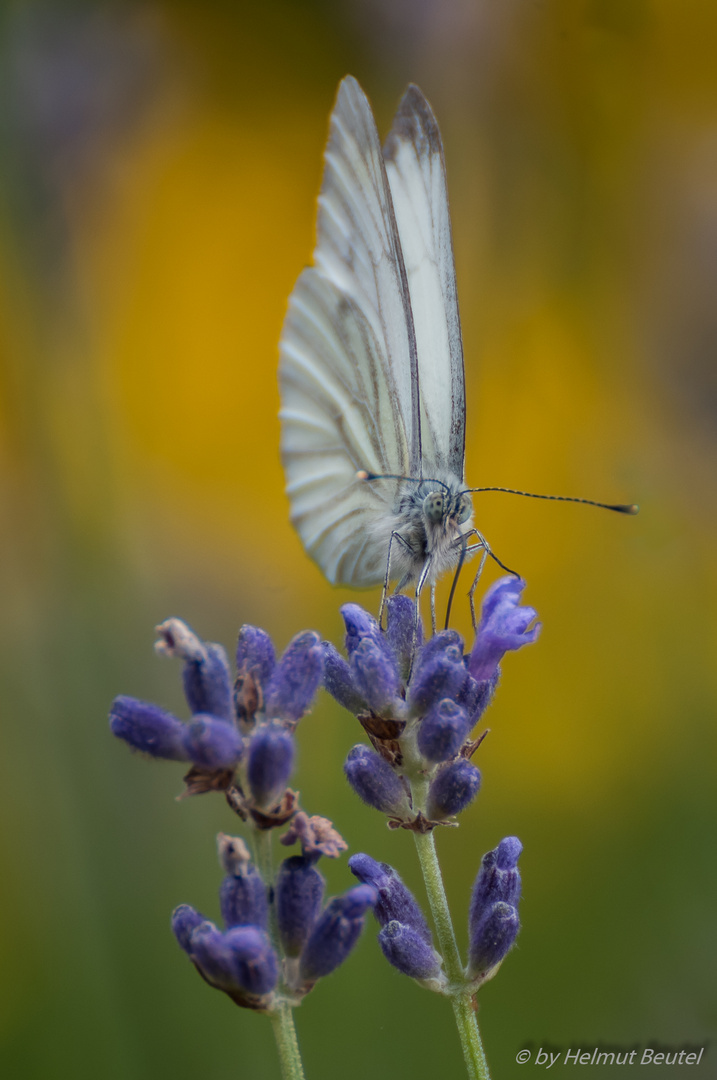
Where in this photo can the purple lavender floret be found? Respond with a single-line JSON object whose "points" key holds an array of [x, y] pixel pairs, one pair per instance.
{"points": [[452, 789], [493, 938], [255, 654], [359, 625], [295, 679], [401, 632], [185, 920], [148, 728], [243, 900], [336, 933], [375, 675], [238, 961], [205, 675], [270, 764], [395, 902], [443, 731], [299, 893], [212, 744], [498, 878], [503, 626], [208, 683], [374, 781], [493, 921], [408, 952], [339, 681], [443, 675]]}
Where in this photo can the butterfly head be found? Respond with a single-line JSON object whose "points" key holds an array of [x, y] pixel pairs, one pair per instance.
{"points": [[445, 505]]}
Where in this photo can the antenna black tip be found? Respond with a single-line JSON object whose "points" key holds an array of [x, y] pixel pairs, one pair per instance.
{"points": [[628, 508]]}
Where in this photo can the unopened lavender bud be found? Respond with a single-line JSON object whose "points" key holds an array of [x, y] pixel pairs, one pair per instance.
{"points": [[442, 676], [402, 634], [207, 948], [212, 744], [148, 728], [492, 938], [475, 697], [443, 731], [255, 963], [395, 902], [452, 789], [243, 900], [255, 654], [336, 932], [299, 894], [206, 675], [271, 761], [374, 781], [295, 679], [444, 639], [208, 683], [498, 879], [374, 673], [240, 960], [339, 682], [185, 920], [408, 952], [359, 625]]}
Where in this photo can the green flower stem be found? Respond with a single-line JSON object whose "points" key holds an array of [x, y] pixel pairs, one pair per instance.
{"points": [[282, 1017], [461, 996], [282, 1021]]}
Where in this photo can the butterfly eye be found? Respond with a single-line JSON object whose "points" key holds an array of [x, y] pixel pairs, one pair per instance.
{"points": [[464, 510], [433, 506]]}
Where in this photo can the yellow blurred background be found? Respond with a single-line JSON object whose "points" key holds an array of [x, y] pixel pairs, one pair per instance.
{"points": [[161, 164]]}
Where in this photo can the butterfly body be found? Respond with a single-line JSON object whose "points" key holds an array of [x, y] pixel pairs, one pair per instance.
{"points": [[371, 369]]}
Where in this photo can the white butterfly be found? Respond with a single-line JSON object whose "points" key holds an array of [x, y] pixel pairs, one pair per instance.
{"points": [[371, 369]]}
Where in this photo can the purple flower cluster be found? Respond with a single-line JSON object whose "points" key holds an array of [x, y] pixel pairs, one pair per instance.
{"points": [[419, 705], [241, 960], [493, 923], [240, 735]]}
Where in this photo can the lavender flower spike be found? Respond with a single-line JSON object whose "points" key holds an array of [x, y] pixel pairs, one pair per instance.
{"points": [[336, 932], [503, 626], [299, 894]]}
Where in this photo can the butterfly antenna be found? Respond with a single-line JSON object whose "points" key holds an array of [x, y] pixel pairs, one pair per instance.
{"points": [[363, 475], [619, 508]]}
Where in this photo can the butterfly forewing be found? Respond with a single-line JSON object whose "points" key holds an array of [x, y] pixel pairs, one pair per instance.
{"points": [[415, 167], [348, 374]]}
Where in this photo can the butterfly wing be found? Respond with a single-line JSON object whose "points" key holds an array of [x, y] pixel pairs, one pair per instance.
{"points": [[415, 166], [348, 369]]}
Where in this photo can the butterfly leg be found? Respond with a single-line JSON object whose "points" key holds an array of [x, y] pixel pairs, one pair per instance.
{"points": [[422, 578], [476, 579], [402, 583], [433, 607]]}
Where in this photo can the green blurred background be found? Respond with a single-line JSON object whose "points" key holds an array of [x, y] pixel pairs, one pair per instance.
{"points": [[160, 167]]}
